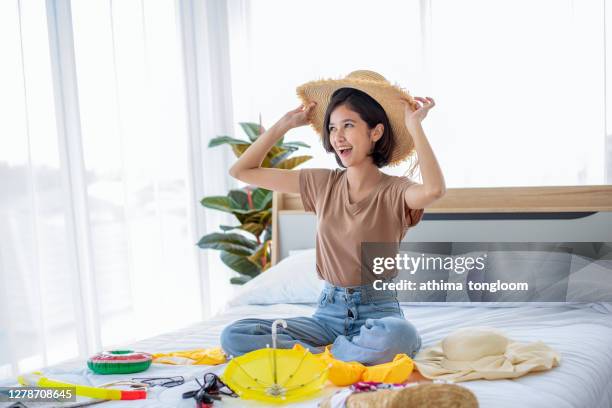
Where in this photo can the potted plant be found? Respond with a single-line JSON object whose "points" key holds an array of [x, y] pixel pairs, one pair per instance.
{"points": [[245, 247]]}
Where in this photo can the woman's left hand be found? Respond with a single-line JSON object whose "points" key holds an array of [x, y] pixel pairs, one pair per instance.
{"points": [[415, 117]]}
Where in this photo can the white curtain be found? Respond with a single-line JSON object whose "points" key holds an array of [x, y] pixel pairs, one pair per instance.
{"points": [[106, 111], [278, 45], [511, 78]]}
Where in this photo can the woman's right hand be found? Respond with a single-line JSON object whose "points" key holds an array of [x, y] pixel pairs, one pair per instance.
{"points": [[298, 117], [248, 167]]}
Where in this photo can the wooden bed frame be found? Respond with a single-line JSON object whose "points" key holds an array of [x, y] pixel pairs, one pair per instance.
{"points": [[561, 199]]}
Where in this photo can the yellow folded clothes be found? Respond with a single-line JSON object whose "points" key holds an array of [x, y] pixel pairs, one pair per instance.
{"points": [[342, 373], [394, 372], [210, 356]]}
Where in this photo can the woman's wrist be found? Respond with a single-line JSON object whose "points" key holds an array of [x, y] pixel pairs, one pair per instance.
{"points": [[282, 126], [414, 128]]}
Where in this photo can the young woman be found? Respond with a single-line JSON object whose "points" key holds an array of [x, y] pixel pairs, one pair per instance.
{"points": [[367, 123]]}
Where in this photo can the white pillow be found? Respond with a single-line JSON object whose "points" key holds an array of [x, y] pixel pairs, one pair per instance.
{"points": [[591, 280], [519, 266], [295, 280], [292, 280], [511, 263], [580, 286]]}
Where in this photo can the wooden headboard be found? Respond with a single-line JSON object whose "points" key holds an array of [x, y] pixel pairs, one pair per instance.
{"points": [[565, 199]]}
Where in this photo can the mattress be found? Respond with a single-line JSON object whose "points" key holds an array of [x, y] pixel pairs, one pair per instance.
{"points": [[581, 335]]}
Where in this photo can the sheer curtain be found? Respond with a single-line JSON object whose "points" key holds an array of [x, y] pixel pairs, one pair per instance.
{"points": [[520, 86], [279, 45], [513, 79], [106, 111]]}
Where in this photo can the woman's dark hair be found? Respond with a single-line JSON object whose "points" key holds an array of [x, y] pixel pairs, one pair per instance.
{"points": [[370, 112]]}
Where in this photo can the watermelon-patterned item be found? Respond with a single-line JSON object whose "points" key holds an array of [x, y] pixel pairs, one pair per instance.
{"points": [[119, 362]]}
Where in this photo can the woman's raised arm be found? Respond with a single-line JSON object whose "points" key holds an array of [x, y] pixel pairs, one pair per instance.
{"points": [[434, 186], [248, 166]]}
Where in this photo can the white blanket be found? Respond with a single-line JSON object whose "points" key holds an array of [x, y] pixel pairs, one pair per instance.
{"points": [[581, 335]]}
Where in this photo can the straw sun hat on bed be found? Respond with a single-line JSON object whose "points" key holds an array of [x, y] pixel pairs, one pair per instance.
{"points": [[476, 353], [376, 86]]}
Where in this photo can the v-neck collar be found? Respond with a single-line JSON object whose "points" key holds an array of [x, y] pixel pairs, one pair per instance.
{"points": [[364, 201]]}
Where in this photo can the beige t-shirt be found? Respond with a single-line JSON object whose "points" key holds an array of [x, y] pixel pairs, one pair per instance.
{"points": [[342, 227]]}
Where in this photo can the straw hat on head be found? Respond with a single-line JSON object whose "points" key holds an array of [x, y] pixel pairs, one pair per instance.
{"points": [[376, 86], [474, 353]]}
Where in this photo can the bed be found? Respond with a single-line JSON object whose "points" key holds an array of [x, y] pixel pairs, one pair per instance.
{"points": [[581, 333]]}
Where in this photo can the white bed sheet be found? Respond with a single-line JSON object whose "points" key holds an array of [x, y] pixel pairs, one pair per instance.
{"points": [[583, 337]]}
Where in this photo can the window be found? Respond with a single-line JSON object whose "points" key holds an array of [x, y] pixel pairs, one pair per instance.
{"points": [[95, 219], [519, 85]]}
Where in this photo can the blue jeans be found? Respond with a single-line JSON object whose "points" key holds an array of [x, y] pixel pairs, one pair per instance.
{"points": [[361, 324]]}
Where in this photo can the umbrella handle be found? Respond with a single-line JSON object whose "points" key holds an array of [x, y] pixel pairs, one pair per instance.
{"points": [[274, 324]]}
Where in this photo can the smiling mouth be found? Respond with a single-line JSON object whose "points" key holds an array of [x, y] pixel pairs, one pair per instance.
{"points": [[345, 151]]}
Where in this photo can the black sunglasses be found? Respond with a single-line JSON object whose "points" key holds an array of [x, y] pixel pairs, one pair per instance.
{"points": [[210, 389]]}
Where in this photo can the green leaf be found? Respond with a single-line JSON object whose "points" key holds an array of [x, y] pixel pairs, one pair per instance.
{"points": [[240, 280], [232, 242], [274, 151], [238, 149], [266, 218], [251, 129], [259, 254], [238, 200], [294, 145], [241, 217], [279, 142], [253, 227], [220, 203], [235, 203], [261, 198], [240, 264], [260, 217], [241, 214], [293, 162], [277, 159], [220, 140]]}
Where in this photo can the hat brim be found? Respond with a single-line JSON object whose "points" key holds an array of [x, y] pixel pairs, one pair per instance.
{"points": [[389, 96], [518, 360]]}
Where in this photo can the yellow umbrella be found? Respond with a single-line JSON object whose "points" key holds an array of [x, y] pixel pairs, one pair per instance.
{"points": [[276, 375]]}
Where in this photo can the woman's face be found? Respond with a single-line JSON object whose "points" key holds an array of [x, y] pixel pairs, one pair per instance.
{"points": [[350, 136]]}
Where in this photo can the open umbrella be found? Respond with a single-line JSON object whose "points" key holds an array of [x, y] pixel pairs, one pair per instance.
{"points": [[276, 375]]}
